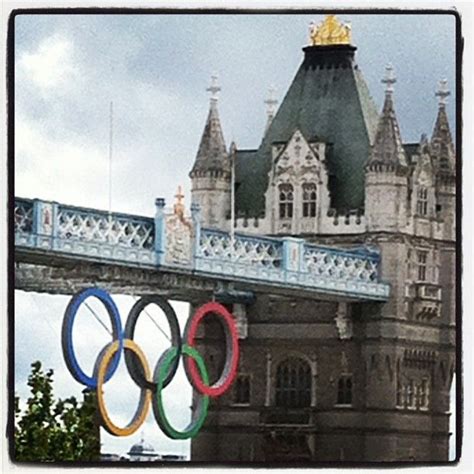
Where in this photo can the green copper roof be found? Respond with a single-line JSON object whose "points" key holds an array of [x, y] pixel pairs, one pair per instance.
{"points": [[328, 101]]}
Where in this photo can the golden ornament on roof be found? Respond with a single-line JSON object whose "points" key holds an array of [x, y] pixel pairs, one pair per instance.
{"points": [[178, 207], [330, 32]]}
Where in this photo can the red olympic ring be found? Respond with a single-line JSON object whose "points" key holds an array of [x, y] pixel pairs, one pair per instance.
{"points": [[232, 349]]}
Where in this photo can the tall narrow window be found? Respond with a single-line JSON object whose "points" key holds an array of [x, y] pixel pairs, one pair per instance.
{"points": [[422, 259], [424, 395], [344, 390], [286, 201], [309, 200], [422, 202], [242, 390], [293, 384], [411, 397], [401, 389]]}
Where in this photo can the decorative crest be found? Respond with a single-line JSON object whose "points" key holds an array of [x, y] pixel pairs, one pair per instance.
{"points": [[214, 88], [271, 102], [330, 32], [389, 78], [178, 207], [442, 92]]}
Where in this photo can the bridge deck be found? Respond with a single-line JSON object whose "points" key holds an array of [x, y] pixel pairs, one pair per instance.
{"points": [[61, 248]]}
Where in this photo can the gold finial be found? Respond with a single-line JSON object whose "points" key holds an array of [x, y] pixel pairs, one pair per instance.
{"points": [[179, 204], [329, 32]]}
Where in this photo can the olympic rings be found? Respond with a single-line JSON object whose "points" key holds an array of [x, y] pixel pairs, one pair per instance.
{"points": [[151, 387]]}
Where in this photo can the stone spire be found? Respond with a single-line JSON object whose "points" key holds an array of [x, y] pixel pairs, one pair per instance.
{"points": [[271, 102], [441, 141], [212, 154], [387, 148]]}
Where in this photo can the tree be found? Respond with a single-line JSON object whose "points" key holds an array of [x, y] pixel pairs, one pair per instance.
{"points": [[49, 430]]}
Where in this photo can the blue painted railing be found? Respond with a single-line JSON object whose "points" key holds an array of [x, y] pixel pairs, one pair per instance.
{"points": [[130, 239]]}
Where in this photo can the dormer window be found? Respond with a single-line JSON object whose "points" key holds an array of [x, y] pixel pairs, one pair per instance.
{"points": [[309, 200], [286, 201], [422, 201]]}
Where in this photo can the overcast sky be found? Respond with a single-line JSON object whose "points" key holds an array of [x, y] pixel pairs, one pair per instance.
{"points": [[156, 69]]}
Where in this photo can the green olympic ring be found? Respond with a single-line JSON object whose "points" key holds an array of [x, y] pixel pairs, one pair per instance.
{"points": [[161, 372]]}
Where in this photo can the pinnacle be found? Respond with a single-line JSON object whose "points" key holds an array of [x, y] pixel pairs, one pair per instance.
{"points": [[441, 140], [387, 148], [212, 152]]}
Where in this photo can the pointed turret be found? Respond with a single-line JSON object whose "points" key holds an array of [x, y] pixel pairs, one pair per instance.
{"points": [[387, 150], [211, 172], [212, 154], [441, 141], [386, 170], [444, 159]]}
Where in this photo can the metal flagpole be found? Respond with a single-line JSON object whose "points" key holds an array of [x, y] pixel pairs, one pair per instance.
{"points": [[111, 137], [232, 202]]}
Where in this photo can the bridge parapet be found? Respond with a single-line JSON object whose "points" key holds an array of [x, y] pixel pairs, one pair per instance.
{"points": [[171, 241]]}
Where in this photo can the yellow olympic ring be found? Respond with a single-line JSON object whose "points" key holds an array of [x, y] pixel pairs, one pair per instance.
{"points": [[102, 364]]}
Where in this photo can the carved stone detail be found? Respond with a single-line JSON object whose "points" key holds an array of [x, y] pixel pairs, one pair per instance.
{"points": [[343, 321], [179, 238]]}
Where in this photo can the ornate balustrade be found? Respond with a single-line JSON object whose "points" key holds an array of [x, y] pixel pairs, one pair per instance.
{"points": [[171, 241], [123, 230], [88, 232], [247, 256]]}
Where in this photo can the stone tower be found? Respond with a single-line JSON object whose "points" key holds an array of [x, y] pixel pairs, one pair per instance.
{"points": [[211, 173], [340, 380]]}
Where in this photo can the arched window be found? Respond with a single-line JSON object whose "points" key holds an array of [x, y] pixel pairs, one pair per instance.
{"points": [[309, 200], [293, 384], [286, 200], [422, 201]]}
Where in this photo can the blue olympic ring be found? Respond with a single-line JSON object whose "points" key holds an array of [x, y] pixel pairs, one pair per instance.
{"points": [[117, 334]]}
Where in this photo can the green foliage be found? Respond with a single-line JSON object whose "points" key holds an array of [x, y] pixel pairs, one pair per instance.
{"points": [[50, 430]]}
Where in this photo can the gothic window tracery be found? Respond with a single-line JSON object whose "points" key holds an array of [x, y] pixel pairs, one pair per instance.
{"points": [[286, 197], [422, 201], [422, 264], [413, 395], [309, 200], [293, 384]]}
